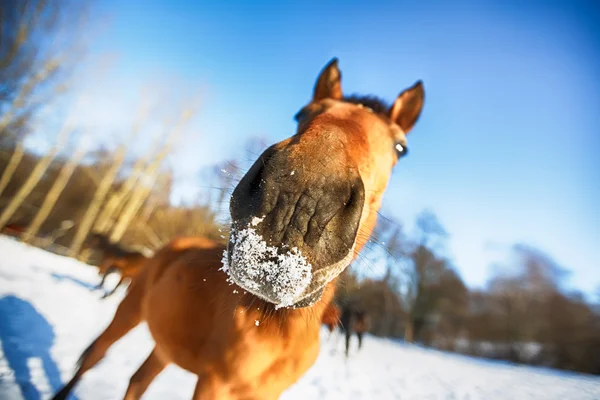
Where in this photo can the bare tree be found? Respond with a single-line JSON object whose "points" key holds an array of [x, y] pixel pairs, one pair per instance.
{"points": [[388, 244], [389, 238], [159, 197], [103, 188], [144, 188], [430, 231], [59, 184], [34, 176], [520, 293], [107, 217], [422, 265], [38, 45], [10, 169], [169, 222]]}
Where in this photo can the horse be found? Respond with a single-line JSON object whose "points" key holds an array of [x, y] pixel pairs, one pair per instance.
{"points": [[353, 321], [361, 325], [245, 317], [14, 229], [115, 259], [331, 317]]}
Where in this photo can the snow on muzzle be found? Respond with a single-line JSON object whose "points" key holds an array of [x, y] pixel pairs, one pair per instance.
{"points": [[281, 277]]}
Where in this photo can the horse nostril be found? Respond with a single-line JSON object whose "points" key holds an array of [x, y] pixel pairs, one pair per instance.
{"points": [[356, 199], [249, 194], [256, 181], [351, 200], [256, 175]]}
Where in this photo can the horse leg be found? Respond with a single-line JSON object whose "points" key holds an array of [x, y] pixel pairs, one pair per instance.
{"points": [[114, 289], [105, 269], [348, 335], [360, 337], [109, 271], [142, 378], [99, 285], [127, 316]]}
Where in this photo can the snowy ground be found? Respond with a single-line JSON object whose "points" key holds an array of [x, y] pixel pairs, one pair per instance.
{"points": [[48, 316]]}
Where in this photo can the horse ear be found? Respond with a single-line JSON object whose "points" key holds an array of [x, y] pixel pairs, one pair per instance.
{"points": [[329, 83], [406, 109]]}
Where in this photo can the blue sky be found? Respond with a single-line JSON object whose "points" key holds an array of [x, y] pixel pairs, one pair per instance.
{"points": [[506, 148]]}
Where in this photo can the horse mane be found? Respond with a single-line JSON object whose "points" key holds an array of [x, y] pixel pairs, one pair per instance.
{"points": [[377, 104]]}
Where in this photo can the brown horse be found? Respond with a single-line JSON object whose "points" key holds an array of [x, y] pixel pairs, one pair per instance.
{"points": [[14, 229], [115, 259], [354, 321], [303, 211]]}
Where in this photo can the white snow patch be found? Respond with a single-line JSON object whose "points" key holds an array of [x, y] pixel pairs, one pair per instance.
{"points": [[225, 262], [384, 369], [258, 267], [256, 221]]}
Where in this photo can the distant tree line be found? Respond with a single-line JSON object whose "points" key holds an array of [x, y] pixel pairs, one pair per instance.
{"points": [[154, 219], [524, 314]]}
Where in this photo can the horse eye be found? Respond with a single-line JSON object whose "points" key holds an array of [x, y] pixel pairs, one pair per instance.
{"points": [[401, 150]]}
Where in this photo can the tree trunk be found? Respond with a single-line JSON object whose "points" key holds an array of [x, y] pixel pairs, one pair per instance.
{"points": [[105, 184], [34, 178], [117, 201], [10, 169], [143, 190], [155, 241], [409, 331], [55, 191], [147, 212], [104, 187], [136, 201], [139, 195], [48, 69], [162, 183]]}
